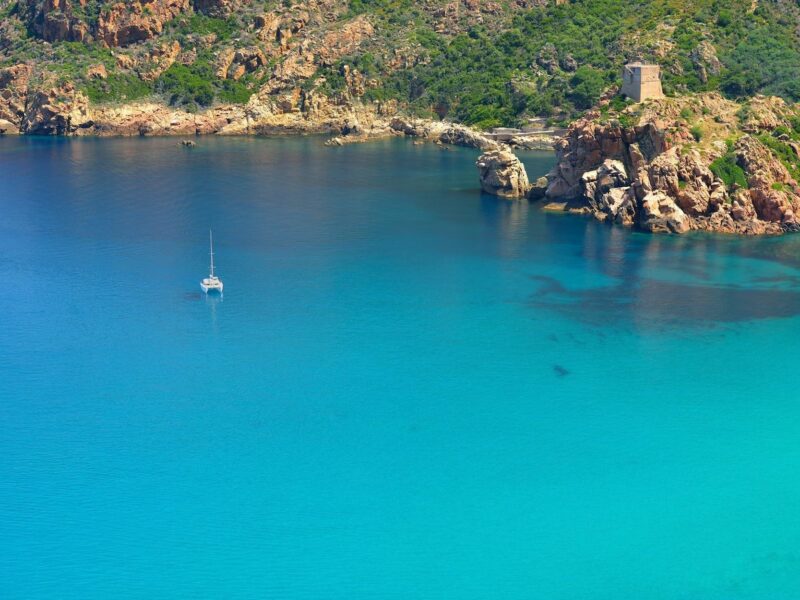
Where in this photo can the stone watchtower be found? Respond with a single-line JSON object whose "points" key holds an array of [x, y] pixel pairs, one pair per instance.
{"points": [[641, 81]]}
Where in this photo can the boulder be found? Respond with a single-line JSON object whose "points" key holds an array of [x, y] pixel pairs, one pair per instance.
{"points": [[97, 71], [502, 174], [659, 213], [538, 189], [618, 204]]}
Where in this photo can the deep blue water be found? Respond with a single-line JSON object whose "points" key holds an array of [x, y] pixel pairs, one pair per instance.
{"points": [[409, 390]]}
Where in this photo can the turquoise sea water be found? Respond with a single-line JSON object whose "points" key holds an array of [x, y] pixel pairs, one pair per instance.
{"points": [[409, 390]]}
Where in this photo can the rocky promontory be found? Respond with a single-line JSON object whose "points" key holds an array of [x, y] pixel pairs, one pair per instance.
{"points": [[697, 162]]}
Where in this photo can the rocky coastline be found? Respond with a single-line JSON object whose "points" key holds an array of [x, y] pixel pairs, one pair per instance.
{"points": [[693, 163], [64, 110]]}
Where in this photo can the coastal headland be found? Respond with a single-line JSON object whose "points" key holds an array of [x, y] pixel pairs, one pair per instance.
{"points": [[672, 165]]}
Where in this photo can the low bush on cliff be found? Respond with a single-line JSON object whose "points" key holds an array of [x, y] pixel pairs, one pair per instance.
{"points": [[118, 87], [784, 152], [196, 86], [234, 92], [729, 171], [203, 25], [187, 86]]}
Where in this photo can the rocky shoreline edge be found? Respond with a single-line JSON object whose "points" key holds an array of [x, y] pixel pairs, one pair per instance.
{"points": [[63, 110], [673, 165]]}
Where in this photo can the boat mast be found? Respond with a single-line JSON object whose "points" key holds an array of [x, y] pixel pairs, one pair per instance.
{"points": [[211, 244]]}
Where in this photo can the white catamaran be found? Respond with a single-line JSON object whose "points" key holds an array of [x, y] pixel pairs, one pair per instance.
{"points": [[212, 283]]}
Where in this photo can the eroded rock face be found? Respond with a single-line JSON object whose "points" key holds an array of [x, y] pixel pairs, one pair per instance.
{"points": [[655, 177], [661, 214], [27, 108], [126, 23], [769, 181], [158, 60], [57, 111], [234, 64], [344, 40], [588, 144], [502, 174], [56, 20], [705, 60], [619, 204], [13, 96], [595, 184]]}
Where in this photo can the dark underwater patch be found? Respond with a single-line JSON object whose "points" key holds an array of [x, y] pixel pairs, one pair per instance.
{"points": [[560, 371], [657, 304]]}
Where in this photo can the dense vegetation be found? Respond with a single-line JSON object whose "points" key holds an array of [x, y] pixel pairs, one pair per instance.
{"points": [[727, 169], [483, 68], [487, 76]]}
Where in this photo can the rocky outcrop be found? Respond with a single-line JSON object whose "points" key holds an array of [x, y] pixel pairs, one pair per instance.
{"points": [[58, 111], [704, 57], [656, 176], [114, 23], [234, 64], [588, 144], [158, 60], [659, 213], [503, 174], [442, 132], [14, 97], [151, 119], [56, 20], [769, 183], [126, 23], [344, 40]]}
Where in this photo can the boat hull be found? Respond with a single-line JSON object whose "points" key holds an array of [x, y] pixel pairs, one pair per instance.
{"points": [[211, 286]]}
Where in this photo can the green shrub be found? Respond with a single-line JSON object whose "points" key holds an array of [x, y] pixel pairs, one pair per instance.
{"points": [[697, 132], [118, 87], [187, 85], [784, 152], [618, 103], [727, 169], [203, 25], [234, 92], [587, 85]]}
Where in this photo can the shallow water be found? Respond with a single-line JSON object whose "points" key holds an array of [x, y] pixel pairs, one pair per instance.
{"points": [[409, 390]]}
